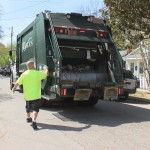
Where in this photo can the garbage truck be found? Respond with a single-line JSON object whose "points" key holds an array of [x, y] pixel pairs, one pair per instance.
{"points": [[82, 59]]}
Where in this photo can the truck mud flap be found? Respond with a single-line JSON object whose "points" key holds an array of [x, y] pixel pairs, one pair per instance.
{"points": [[82, 94], [110, 93]]}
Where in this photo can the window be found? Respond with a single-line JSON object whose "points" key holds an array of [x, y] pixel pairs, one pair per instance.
{"points": [[132, 67], [141, 67]]}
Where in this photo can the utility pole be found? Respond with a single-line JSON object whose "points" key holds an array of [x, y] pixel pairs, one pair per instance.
{"points": [[11, 37], [10, 51]]}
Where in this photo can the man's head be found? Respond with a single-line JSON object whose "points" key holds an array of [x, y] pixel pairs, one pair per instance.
{"points": [[30, 65]]}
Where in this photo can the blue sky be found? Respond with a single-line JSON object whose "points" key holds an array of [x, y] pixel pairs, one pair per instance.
{"points": [[19, 13]]}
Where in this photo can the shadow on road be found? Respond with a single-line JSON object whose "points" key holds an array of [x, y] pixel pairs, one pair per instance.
{"points": [[105, 113], [61, 127]]}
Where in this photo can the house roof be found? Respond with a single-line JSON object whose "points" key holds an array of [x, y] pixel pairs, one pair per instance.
{"points": [[135, 54], [122, 53]]}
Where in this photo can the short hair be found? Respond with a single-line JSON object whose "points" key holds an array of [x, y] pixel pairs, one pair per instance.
{"points": [[30, 63]]}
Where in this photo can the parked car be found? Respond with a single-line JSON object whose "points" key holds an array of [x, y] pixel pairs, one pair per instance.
{"points": [[1, 70], [5, 70], [129, 84]]}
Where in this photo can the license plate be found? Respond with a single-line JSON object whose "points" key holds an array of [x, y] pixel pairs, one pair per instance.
{"points": [[82, 94]]}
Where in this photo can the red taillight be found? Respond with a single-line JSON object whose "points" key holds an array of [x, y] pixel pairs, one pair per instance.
{"points": [[63, 92], [102, 35], [61, 31], [120, 90], [82, 31]]}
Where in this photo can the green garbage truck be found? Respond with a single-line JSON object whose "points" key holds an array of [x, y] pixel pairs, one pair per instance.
{"points": [[79, 52]]}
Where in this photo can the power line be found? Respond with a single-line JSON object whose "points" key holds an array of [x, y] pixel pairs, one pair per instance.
{"points": [[25, 8], [6, 35], [16, 18]]}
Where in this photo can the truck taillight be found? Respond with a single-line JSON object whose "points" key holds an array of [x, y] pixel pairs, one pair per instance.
{"points": [[63, 92], [60, 31], [82, 31], [120, 90], [102, 34]]}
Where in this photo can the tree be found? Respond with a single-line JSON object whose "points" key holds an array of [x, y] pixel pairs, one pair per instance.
{"points": [[103, 13], [4, 55], [132, 17], [118, 37], [145, 53]]}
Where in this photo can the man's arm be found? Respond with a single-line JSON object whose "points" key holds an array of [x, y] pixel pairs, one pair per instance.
{"points": [[15, 87], [46, 71]]}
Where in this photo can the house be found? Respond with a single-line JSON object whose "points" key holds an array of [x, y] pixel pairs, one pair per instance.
{"points": [[134, 62]]}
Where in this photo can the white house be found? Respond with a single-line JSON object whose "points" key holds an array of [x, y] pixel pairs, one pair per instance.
{"points": [[134, 62]]}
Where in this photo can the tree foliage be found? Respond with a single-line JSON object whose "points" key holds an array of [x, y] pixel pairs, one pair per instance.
{"points": [[103, 13], [118, 37], [4, 55], [131, 17]]}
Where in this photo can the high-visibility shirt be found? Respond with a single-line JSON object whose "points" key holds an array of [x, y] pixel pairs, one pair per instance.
{"points": [[31, 81]]}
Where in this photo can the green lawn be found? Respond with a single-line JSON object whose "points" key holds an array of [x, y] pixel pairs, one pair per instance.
{"points": [[143, 94]]}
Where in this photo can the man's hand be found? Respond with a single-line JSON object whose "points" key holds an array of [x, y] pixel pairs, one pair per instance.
{"points": [[13, 90]]}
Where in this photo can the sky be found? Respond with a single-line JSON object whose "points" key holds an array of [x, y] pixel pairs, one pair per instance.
{"points": [[19, 13]]}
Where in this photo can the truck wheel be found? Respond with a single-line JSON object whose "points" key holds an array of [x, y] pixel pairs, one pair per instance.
{"points": [[125, 97], [93, 101]]}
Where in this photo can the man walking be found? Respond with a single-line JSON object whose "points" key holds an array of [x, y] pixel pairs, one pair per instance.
{"points": [[31, 81]]}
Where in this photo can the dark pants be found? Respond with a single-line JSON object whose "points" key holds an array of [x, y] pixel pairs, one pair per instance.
{"points": [[32, 106]]}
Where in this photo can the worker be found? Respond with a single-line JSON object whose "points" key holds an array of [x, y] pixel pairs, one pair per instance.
{"points": [[31, 81]]}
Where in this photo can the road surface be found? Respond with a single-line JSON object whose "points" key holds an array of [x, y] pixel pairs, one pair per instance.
{"points": [[107, 126]]}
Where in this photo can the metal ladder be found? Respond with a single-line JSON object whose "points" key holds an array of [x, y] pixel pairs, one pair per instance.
{"points": [[53, 38]]}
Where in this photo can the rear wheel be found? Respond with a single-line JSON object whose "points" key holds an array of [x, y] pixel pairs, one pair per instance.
{"points": [[124, 97]]}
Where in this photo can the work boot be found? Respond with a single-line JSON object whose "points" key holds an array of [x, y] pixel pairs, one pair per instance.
{"points": [[34, 125], [29, 120]]}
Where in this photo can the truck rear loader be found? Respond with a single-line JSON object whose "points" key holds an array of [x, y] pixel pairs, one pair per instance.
{"points": [[81, 56]]}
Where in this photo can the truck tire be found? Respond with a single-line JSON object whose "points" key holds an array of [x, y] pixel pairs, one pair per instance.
{"points": [[91, 102], [124, 97]]}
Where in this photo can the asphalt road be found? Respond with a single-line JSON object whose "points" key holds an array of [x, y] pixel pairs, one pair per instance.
{"points": [[107, 126]]}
